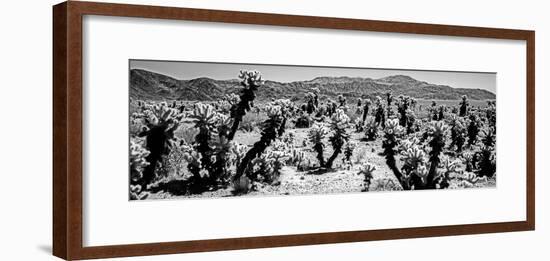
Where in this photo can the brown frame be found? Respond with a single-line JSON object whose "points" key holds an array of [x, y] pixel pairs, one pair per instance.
{"points": [[67, 129]]}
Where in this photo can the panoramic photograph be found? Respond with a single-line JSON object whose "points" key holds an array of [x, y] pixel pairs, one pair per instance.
{"points": [[211, 130]]}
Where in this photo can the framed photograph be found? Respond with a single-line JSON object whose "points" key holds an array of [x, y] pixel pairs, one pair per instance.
{"points": [[187, 130]]}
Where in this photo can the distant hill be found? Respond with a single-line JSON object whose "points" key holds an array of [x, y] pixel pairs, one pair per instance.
{"points": [[154, 86]]}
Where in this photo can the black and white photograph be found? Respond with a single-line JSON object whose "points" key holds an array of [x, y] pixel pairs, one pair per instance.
{"points": [[211, 130]]}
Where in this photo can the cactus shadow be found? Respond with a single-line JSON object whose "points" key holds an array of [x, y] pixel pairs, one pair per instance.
{"points": [[178, 187], [320, 171]]}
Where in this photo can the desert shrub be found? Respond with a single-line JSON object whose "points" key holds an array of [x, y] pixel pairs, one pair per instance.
{"points": [[173, 163], [240, 185], [251, 121], [384, 184], [187, 134], [360, 155]]}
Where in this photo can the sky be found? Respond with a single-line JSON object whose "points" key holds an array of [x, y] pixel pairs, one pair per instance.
{"points": [[290, 73]]}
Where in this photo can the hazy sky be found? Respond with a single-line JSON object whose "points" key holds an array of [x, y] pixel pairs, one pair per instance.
{"points": [[282, 73]]}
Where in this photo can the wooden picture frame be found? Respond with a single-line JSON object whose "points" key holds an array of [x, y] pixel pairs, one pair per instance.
{"points": [[68, 118]]}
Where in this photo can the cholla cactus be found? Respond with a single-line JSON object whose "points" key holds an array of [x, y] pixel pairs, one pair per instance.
{"points": [[270, 131], [138, 160], [414, 157], [402, 106], [227, 102], [267, 167], [491, 113], [473, 129], [422, 172], [371, 129], [443, 177], [388, 144], [414, 168], [366, 170], [389, 98], [487, 164], [285, 106], [194, 163], [297, 158], [261, 169], [137, 193], [213, 146], [358, 123], [473, 178], [463, 106], [232, 98], [488, 137], [414, 174], [279, 157], [380, 114], [438, 133], [205, 119], [458, 133], [341, 101], [204, 116], [409, 144], [392, 127], [338, 124], [250, 81], [303, 120], [310, 107], [316, 136], [349, 147], [159, 123], [316, 93], [468, 161], [441, 113], [237, 153], [366, 108]]}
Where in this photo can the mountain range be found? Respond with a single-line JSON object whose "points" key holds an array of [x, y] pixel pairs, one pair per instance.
{"points": [[147, 85]]}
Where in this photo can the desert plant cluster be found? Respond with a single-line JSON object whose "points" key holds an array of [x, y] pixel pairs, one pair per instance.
{"points": [[321, 144]]}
